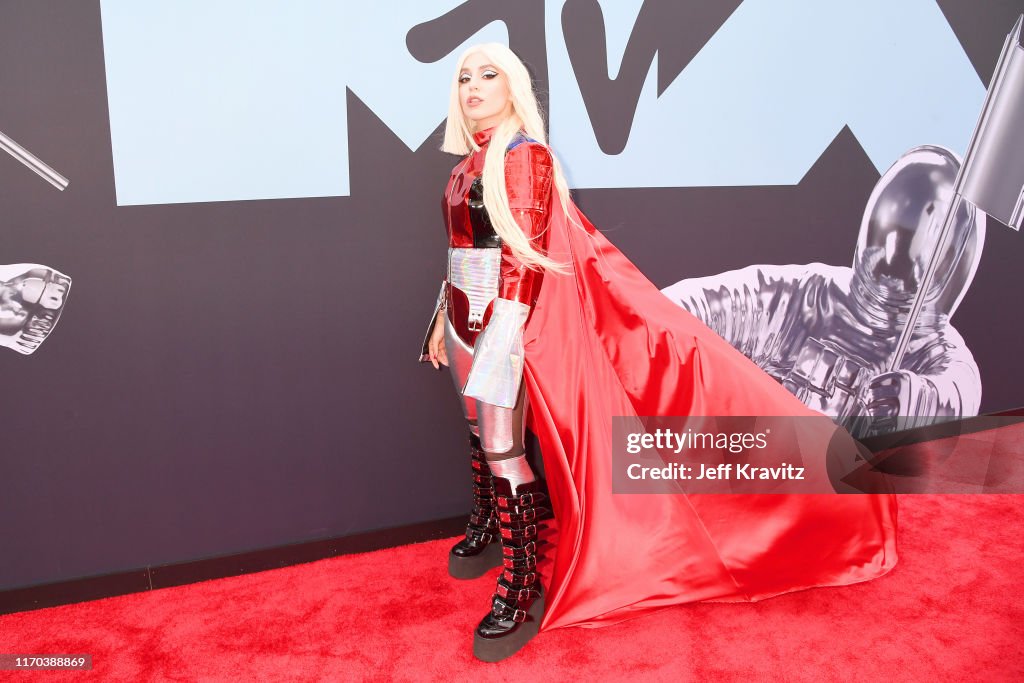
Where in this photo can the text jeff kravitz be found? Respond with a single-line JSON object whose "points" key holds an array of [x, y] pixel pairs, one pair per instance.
{"points": [[735, 471]]}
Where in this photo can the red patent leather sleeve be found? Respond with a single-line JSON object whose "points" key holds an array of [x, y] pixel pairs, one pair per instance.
{"points": [[528, 178]]}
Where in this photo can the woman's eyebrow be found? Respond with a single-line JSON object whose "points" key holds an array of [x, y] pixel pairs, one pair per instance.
{"points": [[466, 70]]}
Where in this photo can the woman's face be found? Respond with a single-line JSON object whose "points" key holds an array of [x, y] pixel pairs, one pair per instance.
{"points": [[483, 92]]}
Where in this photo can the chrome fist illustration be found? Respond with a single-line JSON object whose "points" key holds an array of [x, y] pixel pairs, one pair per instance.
{"points": [[31, 300], [899, 394]]}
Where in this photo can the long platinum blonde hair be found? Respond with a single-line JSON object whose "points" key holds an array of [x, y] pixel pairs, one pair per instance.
{"points": [[458, 139]]}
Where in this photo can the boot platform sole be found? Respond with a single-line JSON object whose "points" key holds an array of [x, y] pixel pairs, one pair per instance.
{"points": [[475, 566], [497, 649]]}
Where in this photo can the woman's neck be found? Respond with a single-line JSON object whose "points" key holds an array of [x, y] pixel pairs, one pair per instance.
{"points": [[483, 136]]}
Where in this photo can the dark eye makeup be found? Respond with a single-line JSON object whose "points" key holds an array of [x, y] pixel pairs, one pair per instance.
{"points": [[488, 74]]}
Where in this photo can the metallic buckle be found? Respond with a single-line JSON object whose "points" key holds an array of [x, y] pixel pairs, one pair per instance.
{"points": [[506, 592], [482, 522], [518, 553], [527, 499], [526, 579], [513, 563], [509, 517], [475, 325], [517, 594], [526, 532]]}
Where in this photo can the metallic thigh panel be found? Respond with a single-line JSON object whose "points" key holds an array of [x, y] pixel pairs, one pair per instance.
{"points": [[460, 359], [476, 272], [498, 427], [501, 430]]}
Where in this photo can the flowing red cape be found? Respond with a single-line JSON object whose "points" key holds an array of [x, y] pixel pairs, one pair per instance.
{"points": [[603, 341]]}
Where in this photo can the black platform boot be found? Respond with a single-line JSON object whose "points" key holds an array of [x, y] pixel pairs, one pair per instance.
{"points": [[517, 606], [474, 555]]}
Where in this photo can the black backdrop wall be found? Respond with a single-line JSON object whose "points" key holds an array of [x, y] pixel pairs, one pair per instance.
{"points": [[240, 375]]}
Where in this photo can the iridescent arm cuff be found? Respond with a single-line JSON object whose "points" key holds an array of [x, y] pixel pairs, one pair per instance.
{"points": [[497, 366], [439, 306]]}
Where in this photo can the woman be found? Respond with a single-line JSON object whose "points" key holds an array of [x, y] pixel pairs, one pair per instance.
{"points": [[543, 322]]}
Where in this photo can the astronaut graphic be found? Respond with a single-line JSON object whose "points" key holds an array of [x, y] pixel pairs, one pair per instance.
{"points": [[31, 296], [826, 332]]}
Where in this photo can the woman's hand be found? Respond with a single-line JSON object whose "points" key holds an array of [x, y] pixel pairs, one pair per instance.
{"points": [[435, 347]]}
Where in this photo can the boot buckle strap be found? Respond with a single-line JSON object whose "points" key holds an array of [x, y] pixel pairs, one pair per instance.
{"points": [[517, 594], [519, 553], [526, 532], [523, 500], [503, 610], [479, 536], [527, 515], [524, 580], [538, 510], [527, 563], [482, 522], [526, 499]]}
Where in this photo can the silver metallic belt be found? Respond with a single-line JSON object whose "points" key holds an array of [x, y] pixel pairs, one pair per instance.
{"points": [[476, 272]]}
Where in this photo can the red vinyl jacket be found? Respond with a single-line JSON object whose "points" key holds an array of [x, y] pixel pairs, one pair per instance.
{"points": [[528, 175]]}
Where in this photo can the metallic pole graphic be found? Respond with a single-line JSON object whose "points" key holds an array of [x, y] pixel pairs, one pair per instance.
{"points": [[33, 162]]}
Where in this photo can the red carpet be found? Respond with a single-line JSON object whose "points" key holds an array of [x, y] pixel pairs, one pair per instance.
{"points": [[950, 611]]}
